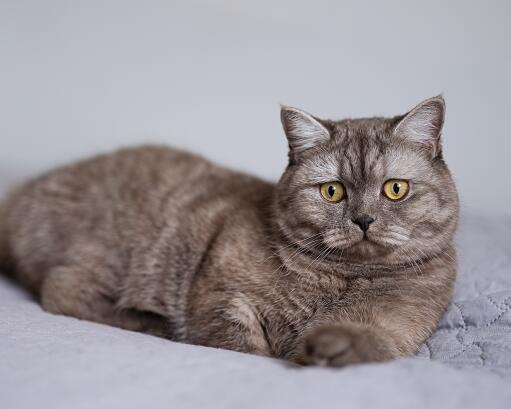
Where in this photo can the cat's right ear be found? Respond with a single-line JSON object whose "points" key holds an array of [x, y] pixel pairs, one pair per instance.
{"points": [[423, 125], [303, 131]]}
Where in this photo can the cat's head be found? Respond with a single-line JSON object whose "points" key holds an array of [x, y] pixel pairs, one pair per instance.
{"points": [[369, 191]]}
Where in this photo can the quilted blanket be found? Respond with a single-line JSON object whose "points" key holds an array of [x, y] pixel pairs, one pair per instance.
{"points": [[49, 361]]}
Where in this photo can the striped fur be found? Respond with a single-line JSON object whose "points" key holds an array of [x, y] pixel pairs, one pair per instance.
{"points": [[161, 241]]}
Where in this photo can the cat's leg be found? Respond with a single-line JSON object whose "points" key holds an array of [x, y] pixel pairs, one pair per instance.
{"points": [[380, 328], [86, 294], [226, 334], [229, 324], [386, 330]]}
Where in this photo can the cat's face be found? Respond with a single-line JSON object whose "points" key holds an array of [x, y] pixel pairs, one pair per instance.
{"points": [[370, 191]]}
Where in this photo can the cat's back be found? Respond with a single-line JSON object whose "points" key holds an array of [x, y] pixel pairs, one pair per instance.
{"points": [[106, 183], [131, 177], [124, 203]]}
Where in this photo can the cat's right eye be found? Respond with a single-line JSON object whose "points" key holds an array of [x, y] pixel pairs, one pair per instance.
{"points": [[396, 189], [332, 191]]}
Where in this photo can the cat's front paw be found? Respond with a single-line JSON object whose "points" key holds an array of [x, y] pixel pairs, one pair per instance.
{"points": [[340, 346]]}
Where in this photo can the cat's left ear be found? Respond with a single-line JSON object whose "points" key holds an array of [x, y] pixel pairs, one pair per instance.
{"points": [[303, 131], [423, 125]]}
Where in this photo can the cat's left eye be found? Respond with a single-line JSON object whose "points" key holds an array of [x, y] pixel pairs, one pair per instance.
{"points": [[396, 189], [332, 191]]}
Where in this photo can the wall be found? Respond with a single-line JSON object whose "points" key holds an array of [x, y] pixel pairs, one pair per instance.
{"points": [[81, 77]]}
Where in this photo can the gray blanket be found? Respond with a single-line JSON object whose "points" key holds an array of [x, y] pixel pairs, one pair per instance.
{"points": [[60, 362]]}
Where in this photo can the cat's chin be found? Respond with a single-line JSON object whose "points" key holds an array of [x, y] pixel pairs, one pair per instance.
{"points": [[370, 251], [368, 248]]}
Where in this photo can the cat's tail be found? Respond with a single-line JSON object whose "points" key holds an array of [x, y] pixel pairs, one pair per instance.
{"points": [[5, 256], [4, 245]]}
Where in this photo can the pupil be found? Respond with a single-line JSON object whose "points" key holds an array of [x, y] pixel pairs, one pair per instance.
{"points": [[331, 190], [396, 188]]}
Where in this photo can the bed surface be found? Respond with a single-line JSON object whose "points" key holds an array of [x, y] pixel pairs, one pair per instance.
{"points": [[49, 361]]}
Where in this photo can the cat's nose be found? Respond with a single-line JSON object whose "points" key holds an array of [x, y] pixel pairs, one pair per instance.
{"points": [[363, 221]]}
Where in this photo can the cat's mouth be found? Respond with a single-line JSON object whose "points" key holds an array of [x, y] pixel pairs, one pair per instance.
{"points": [[370, 243], [366, 241]]}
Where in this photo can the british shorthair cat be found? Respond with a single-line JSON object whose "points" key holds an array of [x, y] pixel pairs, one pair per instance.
{"points": [[349, 258]]}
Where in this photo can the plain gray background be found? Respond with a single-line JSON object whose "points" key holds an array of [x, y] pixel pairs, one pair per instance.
{"points": [[79, 77]]}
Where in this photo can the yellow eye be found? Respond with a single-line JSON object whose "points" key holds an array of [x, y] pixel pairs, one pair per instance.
{"points": [[332, 191], [396, 189]]}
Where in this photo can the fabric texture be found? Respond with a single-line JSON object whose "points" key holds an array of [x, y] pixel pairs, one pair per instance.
{"points": [[49, 361]]}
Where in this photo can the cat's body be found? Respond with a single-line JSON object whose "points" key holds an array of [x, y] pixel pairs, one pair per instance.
{"points": [[161, 241]]}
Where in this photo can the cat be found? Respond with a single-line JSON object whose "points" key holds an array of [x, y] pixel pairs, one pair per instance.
{"points": [[349, 258]]}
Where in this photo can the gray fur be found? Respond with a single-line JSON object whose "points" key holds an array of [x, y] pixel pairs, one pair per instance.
{"points": [[162, 241]]}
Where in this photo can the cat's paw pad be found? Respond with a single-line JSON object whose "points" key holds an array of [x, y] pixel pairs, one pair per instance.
{"points": [[328, 347], [339, 346]]}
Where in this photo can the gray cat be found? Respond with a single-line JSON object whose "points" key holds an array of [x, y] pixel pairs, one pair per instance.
{"points": [[349, 258]]}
